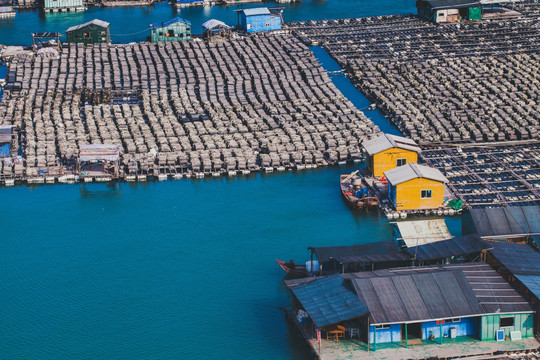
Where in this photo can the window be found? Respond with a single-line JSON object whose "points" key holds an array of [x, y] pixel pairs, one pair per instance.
{"points": [[506, 322], [170, 33], [401, 162], [249, 26], [87, 35], [456, 320], [267, 25], [382, 327], [425, 194]]}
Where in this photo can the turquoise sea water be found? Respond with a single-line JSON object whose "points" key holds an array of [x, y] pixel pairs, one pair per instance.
{"points": [[170, 270], [131, 23]]}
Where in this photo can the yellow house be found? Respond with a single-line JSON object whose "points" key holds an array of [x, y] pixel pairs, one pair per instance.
{"points": [[388, 152], [414, 186]]}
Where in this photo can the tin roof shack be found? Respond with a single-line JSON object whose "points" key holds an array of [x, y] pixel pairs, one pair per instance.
{"points": [[412, 187], [519, 264], [172, 30], [6, 139], [440, 302], [371, 256], [387, 152], [444, 11], [62, 5], [512, 223], [100, 161], [215, 28], [91, 32], [6, 8], [261, 19], [456, 250]]}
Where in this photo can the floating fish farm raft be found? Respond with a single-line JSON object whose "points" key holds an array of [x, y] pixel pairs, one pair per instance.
{"points": [[461, 85], [180, 109]]}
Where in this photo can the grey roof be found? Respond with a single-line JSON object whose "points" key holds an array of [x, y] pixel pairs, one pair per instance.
{"points": [[329, 301], [380, 251], [507, 221], [493, 293], [464, 245], [212, 23], [408, 172], [532, 282], [519, 259], [99, 152], [96, 22], [256, 11], [387, 141], [450, 4], [417, 297]]}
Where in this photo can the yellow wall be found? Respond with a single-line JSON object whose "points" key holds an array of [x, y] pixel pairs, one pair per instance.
{"points": [[408, 194], [386, 160]]}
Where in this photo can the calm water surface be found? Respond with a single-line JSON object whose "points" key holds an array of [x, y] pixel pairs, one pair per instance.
{"points": [[170, 270], [131, 23]]}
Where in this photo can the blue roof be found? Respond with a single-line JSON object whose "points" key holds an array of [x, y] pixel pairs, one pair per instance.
{"points": [[256, 11], [519, 259], [169, 22], [329, 301], [532, 282]]}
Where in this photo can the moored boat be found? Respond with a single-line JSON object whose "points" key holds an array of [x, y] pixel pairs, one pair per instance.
{"points": [[356, 194], [293, 270]]}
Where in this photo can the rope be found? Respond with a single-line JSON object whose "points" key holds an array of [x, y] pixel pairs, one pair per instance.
{"points": [[135, 33]]}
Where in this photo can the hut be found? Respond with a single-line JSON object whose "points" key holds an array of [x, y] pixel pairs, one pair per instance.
{"points": [[63, 5], [387, 152], [6, 137], [99, 161], [172, 30], [413, 186], [6, 8], [261, 19], [213, 28], [441, 11], [91, 32]]}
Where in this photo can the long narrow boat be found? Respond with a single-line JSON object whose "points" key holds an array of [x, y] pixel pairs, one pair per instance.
{"points": [[348, 188], [293, 270]]}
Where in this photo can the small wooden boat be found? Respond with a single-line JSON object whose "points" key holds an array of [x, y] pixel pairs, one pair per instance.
{"points": [[349, 187], [293, 270]]}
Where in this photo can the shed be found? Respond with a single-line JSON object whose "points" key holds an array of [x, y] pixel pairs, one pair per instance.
{"points": [[440, 11], [6, 137], [387, 152], [91, 32], [215, 27], [261, 19], [63, 5], [172, 30], [6, 8], [99, 160], [413, 186], [416, 302]]}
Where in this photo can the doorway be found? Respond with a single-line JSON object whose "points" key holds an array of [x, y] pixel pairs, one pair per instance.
{"points": [[414, 331]]}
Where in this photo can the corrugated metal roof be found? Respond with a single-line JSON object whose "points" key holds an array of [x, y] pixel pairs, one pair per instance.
{"points": [[506, 221], [417, 297], [421, 232], [451, 4], [256, 11], [492, 292], [329, 301], [387, 141], [458, 246], [96, 22], [99, 152], [363, 253], [212, 23], [519, 259], [532, 282], [408, 172], [169, 22]]}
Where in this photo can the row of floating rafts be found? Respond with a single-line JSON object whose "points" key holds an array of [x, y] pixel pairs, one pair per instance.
{"points": [[316, 126]]}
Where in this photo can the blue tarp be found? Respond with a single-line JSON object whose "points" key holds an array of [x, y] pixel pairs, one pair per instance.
{"points": [[4, 150], [329, 301], [519, 259]]}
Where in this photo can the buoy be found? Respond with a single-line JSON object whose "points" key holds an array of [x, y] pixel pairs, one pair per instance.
{"points": [[403, 215]]}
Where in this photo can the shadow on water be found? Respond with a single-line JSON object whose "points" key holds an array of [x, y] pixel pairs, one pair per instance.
{"points": [[103, 190]]}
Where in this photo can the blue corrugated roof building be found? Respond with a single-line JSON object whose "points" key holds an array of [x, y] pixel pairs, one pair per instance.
{"points": [[260, 19]]}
